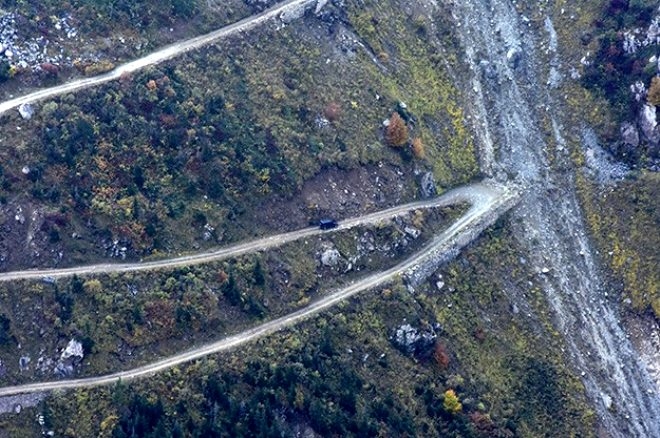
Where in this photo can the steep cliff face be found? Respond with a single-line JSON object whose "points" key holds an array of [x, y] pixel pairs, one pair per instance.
{"points": [[518, 109]]}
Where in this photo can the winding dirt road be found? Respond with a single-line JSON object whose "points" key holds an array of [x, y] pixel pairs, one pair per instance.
{"points": [[168, 52], [488, 201], [479, 195]]}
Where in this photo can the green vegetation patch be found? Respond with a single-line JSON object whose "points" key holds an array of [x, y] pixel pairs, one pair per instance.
{"points": [[624, 221]]}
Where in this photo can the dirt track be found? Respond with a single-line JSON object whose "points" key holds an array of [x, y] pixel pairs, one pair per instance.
{"points": [[487, 203], [159, 56]]}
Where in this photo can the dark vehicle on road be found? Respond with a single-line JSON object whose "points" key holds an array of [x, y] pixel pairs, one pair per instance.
{"points": [[327, 224]]}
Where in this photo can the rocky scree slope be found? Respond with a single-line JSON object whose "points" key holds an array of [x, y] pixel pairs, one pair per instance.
{"points": [[510, 101]]}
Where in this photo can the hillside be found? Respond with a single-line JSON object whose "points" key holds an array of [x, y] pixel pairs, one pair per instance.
{"points": [[544, 326]]}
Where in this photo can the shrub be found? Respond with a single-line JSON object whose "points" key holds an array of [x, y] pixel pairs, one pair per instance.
{"points": [[396, 133], [93, 287], [332, 111], [418, 148], [5, 71], [440, 355], [451, 402], [5, 330], [654, 91]]}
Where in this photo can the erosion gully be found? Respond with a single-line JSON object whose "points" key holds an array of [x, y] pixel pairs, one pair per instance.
{"points": [[510, 97]]}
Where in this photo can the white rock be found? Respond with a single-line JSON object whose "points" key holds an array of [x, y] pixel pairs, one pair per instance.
{"points": [[511, 53], [20, 217], [319, 5], [73, 349], [638, 90], [26, 111], [412, 232], [630, 42], [648, 123], [330, 257]]}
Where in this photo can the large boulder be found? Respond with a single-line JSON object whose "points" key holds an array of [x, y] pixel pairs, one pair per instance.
{"points": [[648, 123], [71, 356], [629, 135], [73, 350], [427, 185], [24, 363], [330, 257], [26, 111], [418, 342]]}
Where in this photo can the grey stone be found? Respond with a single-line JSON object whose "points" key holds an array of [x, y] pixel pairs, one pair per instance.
{"points": [[412, 232], [414, 341], [648, 123], [428, 187], [330, 257], [292, 14], [24, 362], [629, 134], [26, 111]]}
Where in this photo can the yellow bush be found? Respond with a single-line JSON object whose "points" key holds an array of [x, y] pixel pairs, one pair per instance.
{"points": [[451, 403]]}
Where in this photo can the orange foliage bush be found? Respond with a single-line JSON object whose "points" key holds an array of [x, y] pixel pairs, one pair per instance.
{"points": [[222, 276], [440, 355], [332, 111], [418, 148], [396, 132], [482, 422], [654, 91]]}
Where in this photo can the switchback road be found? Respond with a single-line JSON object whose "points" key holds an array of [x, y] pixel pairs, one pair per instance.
{"points": [[488, 202], [476, 194]]}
